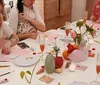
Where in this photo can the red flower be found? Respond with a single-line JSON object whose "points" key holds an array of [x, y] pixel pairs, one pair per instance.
{"points": [[70, 48], [73, 34]]}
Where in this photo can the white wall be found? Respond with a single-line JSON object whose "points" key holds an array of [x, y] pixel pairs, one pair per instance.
{"points": [[78, 8]]}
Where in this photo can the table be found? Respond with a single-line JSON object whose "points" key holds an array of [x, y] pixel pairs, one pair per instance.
{"points": [[66, 77]]}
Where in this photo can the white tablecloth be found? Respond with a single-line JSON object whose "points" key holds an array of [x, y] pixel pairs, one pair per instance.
{"points": [[66, 77]]}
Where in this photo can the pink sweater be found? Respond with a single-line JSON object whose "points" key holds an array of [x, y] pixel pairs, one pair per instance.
{"points": [[96, 10]]}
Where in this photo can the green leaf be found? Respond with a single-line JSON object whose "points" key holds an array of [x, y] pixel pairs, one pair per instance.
{"points": [[22, 74], [56, 49], [79, 38], [90, 29], [79, 24], [28, 72]]}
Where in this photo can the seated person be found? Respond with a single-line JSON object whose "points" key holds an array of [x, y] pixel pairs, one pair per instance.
{"points": [[7, 38], [25, 19], [96, 12]]}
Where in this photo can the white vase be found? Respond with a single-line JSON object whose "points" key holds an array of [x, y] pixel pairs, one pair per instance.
{"points": [[79, 55]]}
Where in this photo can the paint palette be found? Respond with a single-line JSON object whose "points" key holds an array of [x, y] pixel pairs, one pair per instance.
{"points": [[79, 83], [25, 61]]}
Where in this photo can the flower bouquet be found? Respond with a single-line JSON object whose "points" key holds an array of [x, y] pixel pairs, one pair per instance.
{"points": [[82, 30], [76, 54], [79, 53]]}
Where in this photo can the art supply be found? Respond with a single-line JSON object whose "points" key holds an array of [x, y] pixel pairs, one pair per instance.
{"points": [[40, 71], [23, 45], [81, 67], [97, 41], [4, 66], [58, 83], [3, 61], [46, 79], [6, 73], [4, 81], [78, 83]]}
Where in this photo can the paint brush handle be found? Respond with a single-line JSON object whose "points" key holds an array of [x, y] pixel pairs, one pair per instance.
{"points": [[6, 73], [4, 66]]}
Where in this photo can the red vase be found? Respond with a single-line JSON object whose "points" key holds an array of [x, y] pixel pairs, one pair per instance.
{"points": [[58, 62]]}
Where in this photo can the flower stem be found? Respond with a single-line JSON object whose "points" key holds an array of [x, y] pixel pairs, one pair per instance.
{"points": [[27, 79], [35, 67]]}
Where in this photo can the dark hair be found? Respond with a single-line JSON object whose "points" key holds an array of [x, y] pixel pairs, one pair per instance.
{"points": [[4, 12], [2, 2], [20, 5]]}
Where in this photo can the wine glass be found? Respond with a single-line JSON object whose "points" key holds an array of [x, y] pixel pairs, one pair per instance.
{"points": [[98, 65], [85, 16], [67, 28], [42, 42], [95, 83], [97, 70]]}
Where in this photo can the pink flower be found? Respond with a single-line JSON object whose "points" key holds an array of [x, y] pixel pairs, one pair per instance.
{"points": [[73, 34], [94, 33]]}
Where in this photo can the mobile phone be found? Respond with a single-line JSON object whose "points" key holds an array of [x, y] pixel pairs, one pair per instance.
{"points": [[23, 45]]}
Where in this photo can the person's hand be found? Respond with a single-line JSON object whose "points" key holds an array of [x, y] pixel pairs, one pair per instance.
{"points": [[6, 49], [33, 31], [93, 18], [2, 42], [24, 17], [33, 35], [98, 21]]}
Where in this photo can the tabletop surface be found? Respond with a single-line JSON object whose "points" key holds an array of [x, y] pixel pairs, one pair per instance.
{"points": [[65, 78]]}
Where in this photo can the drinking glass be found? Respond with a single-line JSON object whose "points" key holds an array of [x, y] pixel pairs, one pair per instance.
{"points": [[98, 65], [42, 42], [67, 28], [96, 82], [85, 16]]}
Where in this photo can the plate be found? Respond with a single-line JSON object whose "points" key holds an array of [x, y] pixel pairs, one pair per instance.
{"points": [[25, 61], [79, 83], [66, 39]]}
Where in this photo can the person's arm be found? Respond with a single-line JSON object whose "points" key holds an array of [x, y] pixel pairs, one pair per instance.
{"points": [[10, 34], [38, 25], [39, 18], [13, 40], [98, 21], [13, 19], [37, 22], [23, 36], [93, 18]]}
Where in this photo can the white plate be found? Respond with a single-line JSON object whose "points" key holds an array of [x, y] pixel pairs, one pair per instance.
{"points": [[66, 39], [79, 83], [25, 61]]}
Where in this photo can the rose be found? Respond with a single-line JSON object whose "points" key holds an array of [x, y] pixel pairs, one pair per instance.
{"points": [[94, 33], [71, 48], [73, 34]]}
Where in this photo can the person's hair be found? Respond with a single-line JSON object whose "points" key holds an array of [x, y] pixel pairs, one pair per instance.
{"points": [[2, 3], [4, 12], [20, 5]]}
